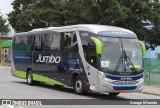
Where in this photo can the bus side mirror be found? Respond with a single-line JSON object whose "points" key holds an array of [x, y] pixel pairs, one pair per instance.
{"points": [[143, 47], [98, 45]]}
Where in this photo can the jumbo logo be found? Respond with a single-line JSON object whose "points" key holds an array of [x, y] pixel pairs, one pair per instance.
{"points": [[48, 59], [125, 78]]}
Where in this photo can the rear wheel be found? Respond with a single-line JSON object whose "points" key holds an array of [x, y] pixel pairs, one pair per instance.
{"points": [[30, 80], [78, 88], [113, 94]]}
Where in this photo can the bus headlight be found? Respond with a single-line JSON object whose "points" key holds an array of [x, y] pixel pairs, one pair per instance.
{"points": [[108, 80], [100, 75]]}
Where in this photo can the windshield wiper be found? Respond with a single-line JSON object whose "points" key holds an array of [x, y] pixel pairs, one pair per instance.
{"points": [[124, 59]]}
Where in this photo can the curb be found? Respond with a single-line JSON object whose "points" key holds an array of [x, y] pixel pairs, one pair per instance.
{"points": [[150, 93]]}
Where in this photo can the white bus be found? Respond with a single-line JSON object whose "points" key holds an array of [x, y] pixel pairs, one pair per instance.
{"points": [[98, 58]]}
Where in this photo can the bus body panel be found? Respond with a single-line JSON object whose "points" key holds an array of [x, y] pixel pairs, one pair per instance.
{"points": [[50, 67], [22, 61]]}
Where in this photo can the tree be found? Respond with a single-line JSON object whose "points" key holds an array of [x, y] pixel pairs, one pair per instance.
{"points": [[30, 14], [153, 36], [42, 13], [3, 26]]}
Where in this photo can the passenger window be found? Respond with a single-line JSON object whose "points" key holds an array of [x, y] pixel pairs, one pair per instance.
{"points": [[47, 40], [50, 42], [55, 42], [64, 40], [37, 43], [69, 42], [30, 40], [19, 43], [74, 43]]}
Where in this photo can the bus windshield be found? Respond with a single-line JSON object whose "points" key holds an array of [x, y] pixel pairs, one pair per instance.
{"points": [[121, 54]]}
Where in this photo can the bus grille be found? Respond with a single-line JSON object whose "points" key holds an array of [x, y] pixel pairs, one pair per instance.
{"points": [[122, 82], [124, 88]]}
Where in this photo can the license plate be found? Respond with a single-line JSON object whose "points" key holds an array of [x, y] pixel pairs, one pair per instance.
{"points": [[124, 91]]}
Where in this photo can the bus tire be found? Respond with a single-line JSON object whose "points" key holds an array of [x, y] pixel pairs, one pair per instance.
{"points": [[30, 78], [78, 87], [113, 94]]}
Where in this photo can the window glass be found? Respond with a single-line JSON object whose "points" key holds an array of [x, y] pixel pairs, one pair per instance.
{"points": [[120, 54], [54, 42], [69, 42], [46, 42], [29, 45], [37, 43], [50, 42], [5, 56], [5, 50], [65, 41], [19, 43], [89, 48]]}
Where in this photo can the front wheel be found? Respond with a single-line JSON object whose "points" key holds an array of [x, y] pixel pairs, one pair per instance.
{"points": [[78, 88], [113, 94]]}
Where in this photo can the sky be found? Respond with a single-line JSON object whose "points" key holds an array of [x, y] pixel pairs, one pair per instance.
{"points": [[5, 7]]}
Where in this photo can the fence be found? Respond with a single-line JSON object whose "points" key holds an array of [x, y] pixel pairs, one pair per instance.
{"points": [[152, 71]]}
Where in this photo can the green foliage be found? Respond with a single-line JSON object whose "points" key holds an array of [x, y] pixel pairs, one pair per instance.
{"points": [[0, 45], [1, 42], [158, 56], [30, 14], [153, 36], [3, 26]]}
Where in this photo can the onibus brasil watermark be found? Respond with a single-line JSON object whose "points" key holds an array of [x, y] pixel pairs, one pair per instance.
{"points": [[22, 102]]}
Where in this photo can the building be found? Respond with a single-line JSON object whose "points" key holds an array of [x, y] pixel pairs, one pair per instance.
{"points": [[5, 52]]}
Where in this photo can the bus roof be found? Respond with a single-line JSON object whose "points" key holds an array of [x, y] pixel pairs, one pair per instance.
{"points": [[93, 28], [103, 30]]}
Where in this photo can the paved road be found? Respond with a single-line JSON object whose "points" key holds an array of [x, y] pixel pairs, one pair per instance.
{"points": [[15, 88]]}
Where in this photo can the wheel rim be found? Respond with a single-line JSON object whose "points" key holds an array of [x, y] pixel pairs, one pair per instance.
{"points": [[78, 86], [29, 77]]}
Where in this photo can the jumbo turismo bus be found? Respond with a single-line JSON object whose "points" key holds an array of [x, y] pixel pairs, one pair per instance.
{"points": [[98, 58]]}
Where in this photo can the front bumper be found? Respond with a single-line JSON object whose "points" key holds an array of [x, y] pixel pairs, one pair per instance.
{"points": [[113, 86]]}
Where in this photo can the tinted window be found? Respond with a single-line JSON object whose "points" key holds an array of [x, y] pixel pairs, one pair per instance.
{"points": [[89, 48], [69, 42], [50, 42], [37, 43], [19, 43], [55, 42], [46, 42], [29, 45]]}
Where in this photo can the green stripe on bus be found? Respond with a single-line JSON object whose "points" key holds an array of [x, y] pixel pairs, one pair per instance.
{"points": [[21, 74], [36, 77], [143, 47], [41, 78], [98, 45]]}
